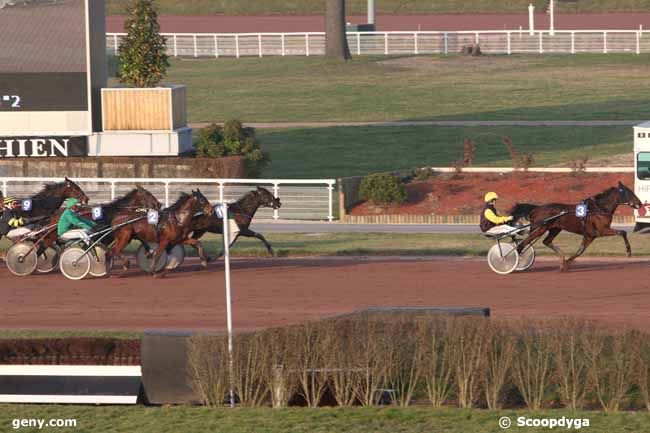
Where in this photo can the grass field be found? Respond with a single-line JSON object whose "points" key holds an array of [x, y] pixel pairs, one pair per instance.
{"points": [[347, 151], [297, 420], [493, 87], [306, 7], [393, 244]]}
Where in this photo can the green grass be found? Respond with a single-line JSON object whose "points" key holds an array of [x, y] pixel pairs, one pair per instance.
{"points": [[348, 151], [493, 87], [394, 244], [297, 420], [302, 7]]}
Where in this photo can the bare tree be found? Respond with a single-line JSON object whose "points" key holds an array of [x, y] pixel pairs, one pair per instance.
{"points": [[336, 42]]}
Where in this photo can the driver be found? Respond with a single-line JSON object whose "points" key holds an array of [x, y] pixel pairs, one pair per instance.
{"points": [[11, 223], [71, 225], [491, 221]]}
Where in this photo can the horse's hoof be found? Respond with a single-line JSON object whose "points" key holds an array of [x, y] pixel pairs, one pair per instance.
{"points": [[204, 263]]}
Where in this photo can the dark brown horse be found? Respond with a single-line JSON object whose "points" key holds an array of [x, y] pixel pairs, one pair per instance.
{"points": [[51, 197], [242, 211], [173, 228], [600, 211]]}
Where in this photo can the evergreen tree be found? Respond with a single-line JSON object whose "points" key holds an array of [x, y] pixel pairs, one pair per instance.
{"points": [[143, 62]]}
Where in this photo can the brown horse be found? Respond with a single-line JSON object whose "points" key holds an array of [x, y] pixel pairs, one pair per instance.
{"points": [[173, 228], [51, 197], [600, 211], [242, 211]]}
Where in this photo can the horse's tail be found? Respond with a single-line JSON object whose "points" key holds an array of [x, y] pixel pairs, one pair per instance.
{"points": [[522, 210]]}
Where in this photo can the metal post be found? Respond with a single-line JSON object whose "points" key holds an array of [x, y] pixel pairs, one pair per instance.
{"points": [[604, 42], [259, 44], [226, 258], [476, 38], [307, 44], [541, 48], [4, 188], [216, 46], [195, 49], [531, 19], [112, 191], [237, 46], [166, 194], [330, 188], [358, 44], [276, 189], [115, 43], [415, 41], [573, 43], [221, 188], [371, 11], [175, 45], [283, 49], [386, 43], [638, 44], [509, 48], [446, 43]]}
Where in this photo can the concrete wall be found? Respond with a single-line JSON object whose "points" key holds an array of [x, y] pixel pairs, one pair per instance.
{"points": [[130, 167]]}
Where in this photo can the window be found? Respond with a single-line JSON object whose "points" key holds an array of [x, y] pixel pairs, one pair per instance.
{"points": [[641, 135], [643, 165]]}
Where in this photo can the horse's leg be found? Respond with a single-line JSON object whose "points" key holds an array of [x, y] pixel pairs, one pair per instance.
{"points": [[548, 241], [586, 241], [121, 241], [198, 246], [622, 233], [538, 232], [251, 234]]}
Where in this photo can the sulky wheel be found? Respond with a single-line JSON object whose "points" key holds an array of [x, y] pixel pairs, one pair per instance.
{"points": [[74, 264], [144, 260], [526, 258], [175, 257], [21, 259], [48, 260], [503, 258], [3, 4], [98, 265]]}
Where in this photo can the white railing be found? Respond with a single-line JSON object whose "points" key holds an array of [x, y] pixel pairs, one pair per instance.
{"points": [[301, 199], [386, 43]]}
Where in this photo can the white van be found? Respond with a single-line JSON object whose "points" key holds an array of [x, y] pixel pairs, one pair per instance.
{"points": [[642, 177]]}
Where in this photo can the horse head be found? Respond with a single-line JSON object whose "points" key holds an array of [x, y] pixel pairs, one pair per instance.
{"points": [[144, 198], [267, 199], [72, 190], [202, 203], [627, 196]]}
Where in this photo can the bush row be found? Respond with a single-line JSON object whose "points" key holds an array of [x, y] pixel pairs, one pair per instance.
{"points": [[461, 361]]}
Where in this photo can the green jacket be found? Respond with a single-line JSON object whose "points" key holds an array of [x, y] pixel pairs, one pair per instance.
{"points": [[70, 220]]}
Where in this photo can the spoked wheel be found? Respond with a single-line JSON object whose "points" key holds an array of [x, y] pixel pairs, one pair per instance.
{"points": [[526, 258], [48, 260], [145, 262], [98, 265], [21, 259], [74, 264], [503, 258], [3, 4], [175, 257]]}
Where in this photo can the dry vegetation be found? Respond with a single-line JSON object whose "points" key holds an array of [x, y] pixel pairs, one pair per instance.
{"points": [[403, 359]]}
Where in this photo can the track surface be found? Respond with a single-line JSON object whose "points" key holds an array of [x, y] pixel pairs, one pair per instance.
{"points": [[270, 292], [316, 23]]}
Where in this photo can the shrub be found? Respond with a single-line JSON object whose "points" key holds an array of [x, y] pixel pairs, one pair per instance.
{"points": [[143, 61], [382, 188], [579, 164], [232, 139], [519, 160]]}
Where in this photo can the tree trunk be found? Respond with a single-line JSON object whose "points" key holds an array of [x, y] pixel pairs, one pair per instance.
{"points": [[336, 43]]}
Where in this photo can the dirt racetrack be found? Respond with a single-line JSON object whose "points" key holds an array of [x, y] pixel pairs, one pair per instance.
{"points": [[279, 291]]}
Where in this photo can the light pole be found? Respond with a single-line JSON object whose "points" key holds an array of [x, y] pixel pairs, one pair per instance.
{"points": [[226, 262], [551, 11], [531, 19]]}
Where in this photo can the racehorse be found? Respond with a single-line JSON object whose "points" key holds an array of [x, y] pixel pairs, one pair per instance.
{"points": [[173, 228], [243, 211], [52, 196], [600, 211]]}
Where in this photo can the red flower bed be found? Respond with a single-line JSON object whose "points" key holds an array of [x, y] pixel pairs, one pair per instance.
{"points": [[462, 194]]}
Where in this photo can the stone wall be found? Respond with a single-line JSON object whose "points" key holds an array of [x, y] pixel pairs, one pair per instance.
{"points": [[125, 167]]}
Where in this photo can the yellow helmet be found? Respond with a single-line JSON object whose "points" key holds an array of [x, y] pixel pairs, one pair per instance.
{"points": [[491, 196]]}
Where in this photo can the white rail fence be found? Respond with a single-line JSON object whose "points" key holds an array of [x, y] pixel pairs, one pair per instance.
{"points": [[301, 199], [386, 43]]}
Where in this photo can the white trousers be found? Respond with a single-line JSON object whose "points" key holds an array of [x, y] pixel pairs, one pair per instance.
{"points": [[75, 234], [501, 229], [16, 233]]}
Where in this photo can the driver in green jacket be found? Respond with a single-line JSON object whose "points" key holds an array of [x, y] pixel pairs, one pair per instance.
{"points": [[71, 225]]}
